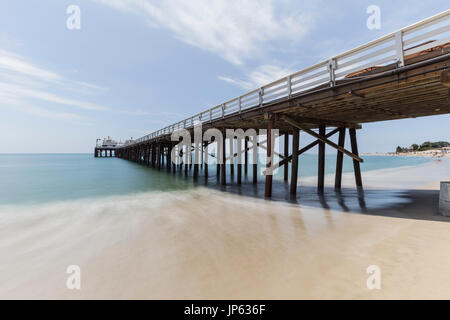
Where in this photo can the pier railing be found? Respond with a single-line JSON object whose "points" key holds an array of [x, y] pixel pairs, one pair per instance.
{"points": [[387, 50]]}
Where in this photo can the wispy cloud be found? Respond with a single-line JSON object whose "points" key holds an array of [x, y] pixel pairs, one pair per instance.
{"points": [[24, 107], [19, 92], [233, 29], [163, 114], [24, 85], [13, 63], [259, 77]]}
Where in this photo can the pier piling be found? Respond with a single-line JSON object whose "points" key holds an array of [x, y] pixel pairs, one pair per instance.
{"points": [[223, 178], [321, 164], [286, 154], [245, 156], [294, 169], [339, 160], [356, 166], [270, 126]]}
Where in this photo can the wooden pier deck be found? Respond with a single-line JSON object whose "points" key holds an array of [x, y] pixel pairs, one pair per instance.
{"points": [[405, 74]]}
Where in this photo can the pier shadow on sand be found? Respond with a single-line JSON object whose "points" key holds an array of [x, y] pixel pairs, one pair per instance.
{"points": [[398, 203]]}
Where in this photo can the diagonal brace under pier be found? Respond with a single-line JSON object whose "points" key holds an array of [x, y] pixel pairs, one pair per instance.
{"points": [[320, 137]]}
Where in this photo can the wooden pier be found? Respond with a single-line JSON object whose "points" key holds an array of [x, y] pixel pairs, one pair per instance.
{"points": [[405, 74]]}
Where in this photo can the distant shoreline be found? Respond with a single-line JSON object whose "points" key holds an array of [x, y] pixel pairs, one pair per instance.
{"points": [[427, 154]]}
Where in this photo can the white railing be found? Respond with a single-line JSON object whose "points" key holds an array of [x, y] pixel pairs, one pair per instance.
{"points": [[390, 49]]}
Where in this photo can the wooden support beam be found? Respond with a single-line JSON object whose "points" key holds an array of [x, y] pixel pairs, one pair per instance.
{"points": [[304, 149], [223, 175], [295, 153], [167, 153], [260, 144], [201, 155], [180, 152], [206, 160], [165, 156], [321, 163], [218, 151], [356, 166], [153, 155], [196, 160], [196, 171], [159, 157], [239, 173], [149, 155], [185, 161], [321, 138], [339, 160], [255, 166], [232, 159], [179, 159], [174, 163], [245, 155], [445, 78], [269, 160], [286, 154], [169, 157], [239, 163]]}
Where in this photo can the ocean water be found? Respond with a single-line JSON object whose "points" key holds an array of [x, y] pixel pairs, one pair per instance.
{"points": [[42, 178], [140, 233]]}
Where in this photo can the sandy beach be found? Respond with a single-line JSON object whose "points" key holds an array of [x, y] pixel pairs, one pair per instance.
{"points": [[208, 244]]}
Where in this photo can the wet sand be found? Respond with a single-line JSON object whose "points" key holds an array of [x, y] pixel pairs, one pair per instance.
{"points": [[208, 244]]}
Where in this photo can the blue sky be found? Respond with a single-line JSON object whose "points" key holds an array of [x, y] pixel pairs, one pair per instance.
{"points": [[136, 65]]}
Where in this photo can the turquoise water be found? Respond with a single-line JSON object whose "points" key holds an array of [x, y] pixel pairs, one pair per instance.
{"points": [[308, 164], [38, 178]]}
